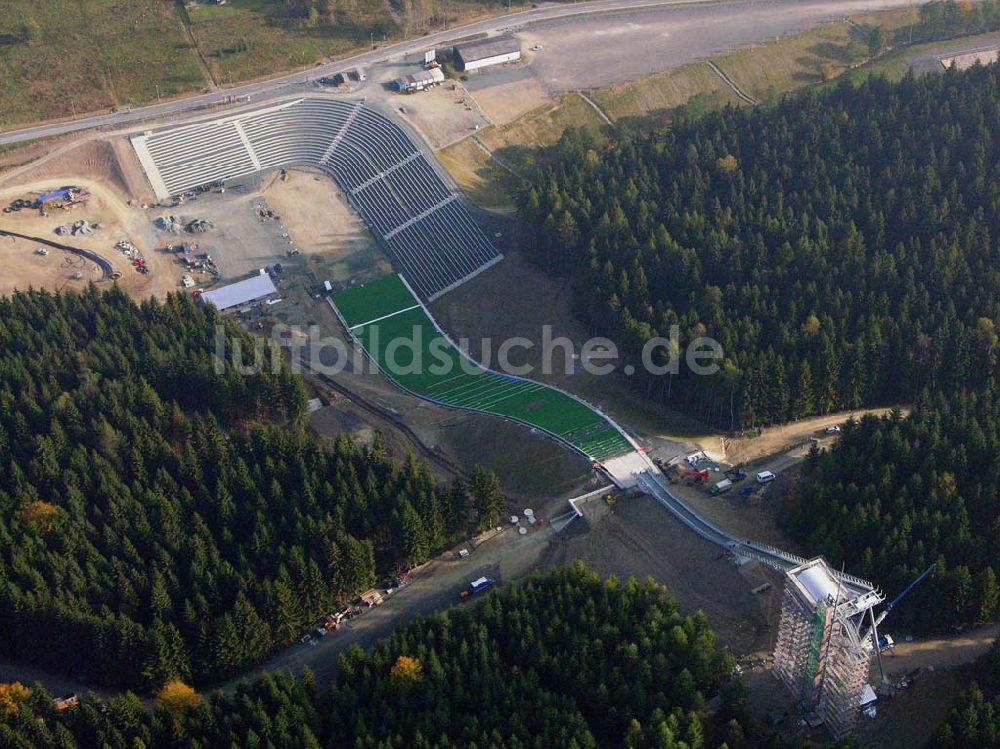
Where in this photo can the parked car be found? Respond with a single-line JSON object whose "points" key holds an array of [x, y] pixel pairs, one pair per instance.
{"points": [[477, 586]]}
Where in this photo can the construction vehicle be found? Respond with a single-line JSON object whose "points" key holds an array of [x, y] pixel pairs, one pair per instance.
{"points": [[64, 197], [723, 486], [906, 591], [369, 599], [64, 703], [479, 585], [736, 474], [696, 477], [885, 642]]}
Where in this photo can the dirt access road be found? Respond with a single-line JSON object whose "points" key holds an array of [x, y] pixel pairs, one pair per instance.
{"points": [[504, 556], [768, 449]]}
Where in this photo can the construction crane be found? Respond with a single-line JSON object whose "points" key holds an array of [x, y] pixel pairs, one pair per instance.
{"points": [[873, 632]]}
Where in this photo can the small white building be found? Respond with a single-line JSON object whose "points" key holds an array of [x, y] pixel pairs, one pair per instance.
{"points": [[485, 52], [420, 81], [242, 292]]}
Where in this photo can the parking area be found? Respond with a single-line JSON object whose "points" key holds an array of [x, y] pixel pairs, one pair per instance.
{"points": [[238, 236]]}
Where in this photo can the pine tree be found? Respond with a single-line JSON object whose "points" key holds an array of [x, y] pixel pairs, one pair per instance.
{"points": [[488, 496]]}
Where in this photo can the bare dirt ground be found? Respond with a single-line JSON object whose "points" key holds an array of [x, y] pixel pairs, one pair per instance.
{"points": [[24, 269], [939, 652], [442, 115], [753, 517], [109, 162], [506, 93], [636, 537], [532, 469], [909, 718], [323, 226], [516, 299], [239, 243], [118, 220], [775, 440]]}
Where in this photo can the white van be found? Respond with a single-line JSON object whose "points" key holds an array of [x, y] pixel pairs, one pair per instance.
{"points": [[765, 477]]}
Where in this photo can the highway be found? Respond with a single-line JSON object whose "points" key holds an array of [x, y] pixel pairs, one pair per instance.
{"points": [[797, 13]]}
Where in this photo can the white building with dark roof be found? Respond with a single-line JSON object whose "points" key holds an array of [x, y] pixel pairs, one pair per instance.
{"points": [[485, 52]]}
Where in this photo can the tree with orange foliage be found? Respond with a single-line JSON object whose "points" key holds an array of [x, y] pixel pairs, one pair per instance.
{"points": [[39, 514], [178, 697], [406, 671], [11, 697]]}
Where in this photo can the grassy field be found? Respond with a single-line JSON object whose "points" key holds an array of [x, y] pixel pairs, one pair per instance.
{"points": [[813, 57], [542, 126], [483, 180], [247, 39], [489, 185], [666, 91], [386, 319], [61, 56], [64, 57]]}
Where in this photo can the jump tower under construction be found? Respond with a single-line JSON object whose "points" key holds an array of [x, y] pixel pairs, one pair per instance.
{"points": [[822, 655]]}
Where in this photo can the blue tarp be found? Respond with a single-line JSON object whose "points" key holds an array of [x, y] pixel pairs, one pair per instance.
{"points": [[62, 193]]}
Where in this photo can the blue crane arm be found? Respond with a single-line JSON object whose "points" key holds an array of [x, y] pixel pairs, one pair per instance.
{"points": [[919, 579]]}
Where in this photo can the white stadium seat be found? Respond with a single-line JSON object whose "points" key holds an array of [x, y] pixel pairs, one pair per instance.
{"points": [[428, 233]]}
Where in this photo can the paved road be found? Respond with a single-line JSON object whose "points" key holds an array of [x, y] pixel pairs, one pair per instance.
{"points": [[263, 90], [300, 82]]}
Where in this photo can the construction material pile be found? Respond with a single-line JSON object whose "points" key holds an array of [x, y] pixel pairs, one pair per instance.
{"points": [[264, 213], [199, 226], [170, 224], [20, 204], [81, 228], [192, 260]]}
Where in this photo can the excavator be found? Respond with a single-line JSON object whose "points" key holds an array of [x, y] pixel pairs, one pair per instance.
{"points": [[696, 477]]}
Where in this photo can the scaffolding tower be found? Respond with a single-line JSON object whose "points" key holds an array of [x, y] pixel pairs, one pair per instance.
{"points": [[822, 657]]}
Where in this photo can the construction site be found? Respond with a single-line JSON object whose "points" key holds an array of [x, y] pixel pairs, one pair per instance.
{"points": [[305, 229], [335, 197]]}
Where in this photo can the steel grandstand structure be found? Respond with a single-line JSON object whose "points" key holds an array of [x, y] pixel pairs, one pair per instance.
{"points": [[427, 231]]}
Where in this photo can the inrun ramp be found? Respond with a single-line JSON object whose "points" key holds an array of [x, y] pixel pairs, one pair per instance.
{"points": [[426, 230], [381, 314]]}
